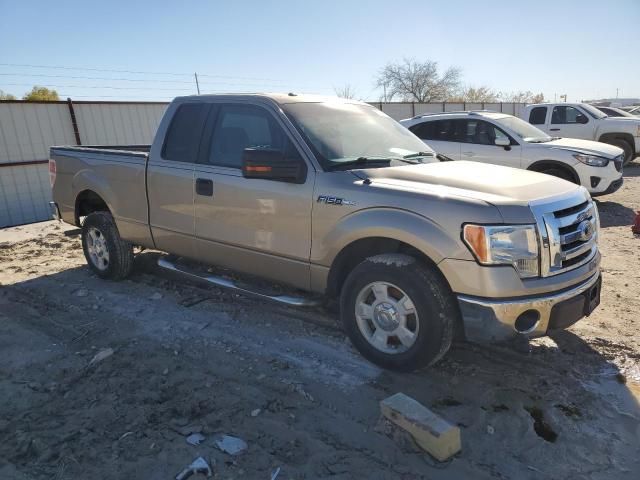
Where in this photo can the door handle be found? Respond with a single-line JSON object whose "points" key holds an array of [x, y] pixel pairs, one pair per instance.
{"points": [[204, 187], [468, 154], [554, 129]]}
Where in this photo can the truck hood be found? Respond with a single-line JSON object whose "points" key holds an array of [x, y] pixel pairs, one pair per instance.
{"points": [[587, 147], [493, 184]]}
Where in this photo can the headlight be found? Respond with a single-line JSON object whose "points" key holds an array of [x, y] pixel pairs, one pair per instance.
{"points": [[591, 160], [515, 245]]}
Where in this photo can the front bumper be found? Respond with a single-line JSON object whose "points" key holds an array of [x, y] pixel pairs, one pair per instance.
{"points": [[613, 187], [492, 320]]}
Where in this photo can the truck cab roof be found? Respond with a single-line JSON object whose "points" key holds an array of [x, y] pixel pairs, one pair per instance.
{"points": [[279, 98]]}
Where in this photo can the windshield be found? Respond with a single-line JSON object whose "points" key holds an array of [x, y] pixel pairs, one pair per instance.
{"points": [[339, 133], [524, 130], [593, 111]]}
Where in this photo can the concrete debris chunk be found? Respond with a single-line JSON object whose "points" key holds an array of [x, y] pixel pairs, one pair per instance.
{"points": [[199, 465], [432, 433], [256, 412], [101, 355], [230, 445], [195, 439]]}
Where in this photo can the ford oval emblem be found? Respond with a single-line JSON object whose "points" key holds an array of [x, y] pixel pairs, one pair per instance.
{"points": [[585, 229]]}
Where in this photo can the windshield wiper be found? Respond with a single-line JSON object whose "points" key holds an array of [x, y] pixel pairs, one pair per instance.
{"points": [[419, 154], [359, 161]]}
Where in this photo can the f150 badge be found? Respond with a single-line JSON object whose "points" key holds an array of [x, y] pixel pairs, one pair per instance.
{"points": [[334, 200]]}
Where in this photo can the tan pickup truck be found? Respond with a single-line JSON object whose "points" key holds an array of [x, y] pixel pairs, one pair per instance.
{"points": [[335, 198]]}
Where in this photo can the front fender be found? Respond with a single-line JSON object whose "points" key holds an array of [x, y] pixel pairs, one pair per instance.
{"points": [[431, 238]]}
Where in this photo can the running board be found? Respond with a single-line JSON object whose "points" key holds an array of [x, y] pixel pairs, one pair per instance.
{"points": [[164, 262]]}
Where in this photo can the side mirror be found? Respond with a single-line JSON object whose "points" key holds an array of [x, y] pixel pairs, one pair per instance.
{"points": [[272, 165], [581, 119], [502, 142]]}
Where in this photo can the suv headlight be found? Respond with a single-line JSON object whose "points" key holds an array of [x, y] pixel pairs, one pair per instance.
{"points": [[591, 160], [515, 245]]}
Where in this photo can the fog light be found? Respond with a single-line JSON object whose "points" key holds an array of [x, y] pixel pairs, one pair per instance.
{"points": [[595, 181], [527, 321]]}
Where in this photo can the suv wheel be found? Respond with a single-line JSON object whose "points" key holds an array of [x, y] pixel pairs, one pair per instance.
{"points": [[107, 254], [398, 313]]}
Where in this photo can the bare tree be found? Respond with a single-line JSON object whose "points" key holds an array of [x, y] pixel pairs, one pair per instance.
{"points": [[475, 95], [6, 96], [415, 81], [346, 91], [522, 97]]}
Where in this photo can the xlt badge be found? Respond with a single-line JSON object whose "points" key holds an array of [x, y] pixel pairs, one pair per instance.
{"points": [[334, 200]]}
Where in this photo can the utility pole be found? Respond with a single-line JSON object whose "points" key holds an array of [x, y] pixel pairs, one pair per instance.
{"points": [[617, 91], [197, 84]]}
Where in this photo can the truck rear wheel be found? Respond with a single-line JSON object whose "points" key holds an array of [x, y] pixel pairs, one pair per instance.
{"points": [[108, 255], [398, 312]]}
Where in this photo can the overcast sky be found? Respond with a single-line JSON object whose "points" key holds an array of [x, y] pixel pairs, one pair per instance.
{"points": [[585, 49]]}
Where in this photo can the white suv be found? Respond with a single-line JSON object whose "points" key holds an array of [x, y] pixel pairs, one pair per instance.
{"points": [[492, 137]]}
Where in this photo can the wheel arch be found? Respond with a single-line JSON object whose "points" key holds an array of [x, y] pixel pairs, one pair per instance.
{"points": [[627, 137], [359, 250], [541, 165], [88, 201]]}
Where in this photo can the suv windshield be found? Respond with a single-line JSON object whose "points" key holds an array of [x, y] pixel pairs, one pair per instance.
{"points": [[347, 133], [524, 130]]}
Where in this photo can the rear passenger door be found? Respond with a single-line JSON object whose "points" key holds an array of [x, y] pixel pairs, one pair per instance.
{"points": [[258, 226], [170, 177], [479, 144], [538, 117], [440, 135]]}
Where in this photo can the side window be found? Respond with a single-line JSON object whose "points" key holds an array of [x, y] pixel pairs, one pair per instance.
{"points": [[538, 115], [482, 133], [567, 115], [183, 135], [444, 130], [424, 130], [243, 126]]}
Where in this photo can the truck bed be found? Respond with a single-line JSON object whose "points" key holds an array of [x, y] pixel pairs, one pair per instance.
{"points": [[115, 173]]}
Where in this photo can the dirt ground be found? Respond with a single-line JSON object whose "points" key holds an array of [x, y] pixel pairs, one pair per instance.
{"points": [[188, 358]]}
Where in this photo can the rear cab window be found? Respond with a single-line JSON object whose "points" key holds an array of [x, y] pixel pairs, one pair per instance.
{"points": [[538, 115], [182, 139]]}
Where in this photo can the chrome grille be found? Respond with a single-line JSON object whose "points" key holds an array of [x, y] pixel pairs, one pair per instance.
{"points": [[569, 233]]}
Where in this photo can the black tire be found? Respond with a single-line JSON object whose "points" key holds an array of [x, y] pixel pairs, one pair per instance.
{"points": [[437, 311], [120, 252], [624, 145], [560, 173]]}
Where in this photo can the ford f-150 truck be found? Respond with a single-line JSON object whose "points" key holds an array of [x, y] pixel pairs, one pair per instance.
{"points": [[581, 120], [335, 198]]}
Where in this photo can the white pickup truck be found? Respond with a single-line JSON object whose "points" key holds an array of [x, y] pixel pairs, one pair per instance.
{"points": [[581, 120]]}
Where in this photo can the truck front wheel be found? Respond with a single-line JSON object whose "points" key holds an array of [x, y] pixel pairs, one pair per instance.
{"points": [[108, 255], [398, 312], [624, 145]]}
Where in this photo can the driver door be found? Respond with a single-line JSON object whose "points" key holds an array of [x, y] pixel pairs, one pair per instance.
{"points": [[251, 225], [479, 137], [571, 122]]}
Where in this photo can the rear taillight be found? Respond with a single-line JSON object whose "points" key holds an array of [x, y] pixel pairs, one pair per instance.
{"points": [[52, 172]]}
